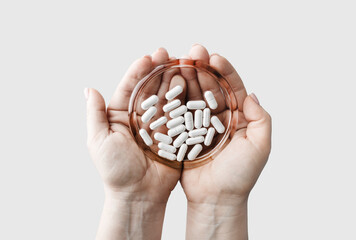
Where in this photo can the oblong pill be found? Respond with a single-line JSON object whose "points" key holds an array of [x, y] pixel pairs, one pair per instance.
{"points": [[176, 130], [189, 123], [147, 116], [215, 121], [172, 105], [175, 122], [209, 97], [174, 92], [195, 152], [198, 119], [178, 111], [162, 138], [206, 117], [198, 104], [209, 136], [180, 139], [194, 140], [198, 132], [149, 102], [146, 138], [159, 122], [166, 147], [167, 155], [182, 151]]}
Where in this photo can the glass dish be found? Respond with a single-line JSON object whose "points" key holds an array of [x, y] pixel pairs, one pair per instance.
{"points": [[198, 78]]}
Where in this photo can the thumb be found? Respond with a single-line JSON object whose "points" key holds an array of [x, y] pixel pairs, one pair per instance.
{"points": [[259, 123], [96, 113]]}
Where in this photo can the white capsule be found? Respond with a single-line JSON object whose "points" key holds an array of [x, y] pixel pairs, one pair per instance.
{"points": [[178, 111], [149, 102], [166, 147], [206, 117], [148, 114], [159, 122], [146, 138], [188, 118], [176, 130], [174, 92], [182, 151], [195, 152], [209, 136], [198, 132], [194, 140], [180, 139], [175, 122], [163, 138], [215, 121], [172, 105], [194, 105], [167, 155], [198, 119], [209, 97]]}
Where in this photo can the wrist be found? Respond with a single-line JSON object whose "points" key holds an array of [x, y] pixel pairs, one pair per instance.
{"points": [[217, 220], [130, 217]]}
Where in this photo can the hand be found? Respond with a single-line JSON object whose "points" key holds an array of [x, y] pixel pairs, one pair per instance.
{"points": [[132, 182], [217, 192]]}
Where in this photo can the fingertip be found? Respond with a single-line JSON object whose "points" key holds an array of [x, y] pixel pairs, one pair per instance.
{"points": [[86, 93]]}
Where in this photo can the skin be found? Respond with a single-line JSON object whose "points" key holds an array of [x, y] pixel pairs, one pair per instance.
{"points": [[137, 188]]}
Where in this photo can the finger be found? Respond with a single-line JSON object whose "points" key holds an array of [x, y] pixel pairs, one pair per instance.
{"points": [[190, 75], [97, 121], [134, 74], [159, 57], [224, 67], [259, 123], [206, 81]]}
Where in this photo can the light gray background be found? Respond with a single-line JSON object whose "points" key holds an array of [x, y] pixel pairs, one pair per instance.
{"points": [[297, 56]]}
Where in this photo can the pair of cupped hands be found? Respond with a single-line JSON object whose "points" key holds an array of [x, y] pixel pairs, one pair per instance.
{"points": [[131, 177]]}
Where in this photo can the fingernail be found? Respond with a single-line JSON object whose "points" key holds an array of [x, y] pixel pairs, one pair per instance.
{"points": [[214, 54], [253, 96], [161, 49], [196, 44], [148, 56], [86, 93]]}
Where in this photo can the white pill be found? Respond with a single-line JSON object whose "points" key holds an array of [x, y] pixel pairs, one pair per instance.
{"points": [[198, 132], [188, 118], [209, 97], [194, 140], [172, 105], [148, 114], [167, 155], [163, 138], [176, 130], [200, 104], [174, 92], [166, 147], [209, 136], [178, 111], [159, 122], [198, 119], [175, 122], [217, 124], [206, 117], [182, 151], [180, 139], [146, 138], [195, 152], [149, 102]]}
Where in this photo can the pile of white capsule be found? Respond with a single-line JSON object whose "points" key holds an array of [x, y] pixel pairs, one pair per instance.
{"points": [[187, 129]]}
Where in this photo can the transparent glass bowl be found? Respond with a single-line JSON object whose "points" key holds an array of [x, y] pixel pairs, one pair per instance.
{"points": [[198, 78]]}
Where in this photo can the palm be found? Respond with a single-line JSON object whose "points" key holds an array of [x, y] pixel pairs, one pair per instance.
{"points": [[121, 164], [237, 167]]}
